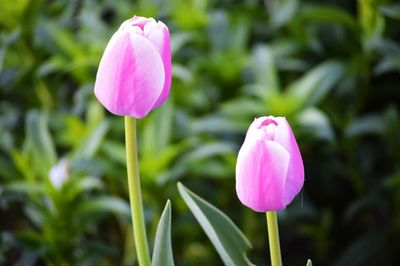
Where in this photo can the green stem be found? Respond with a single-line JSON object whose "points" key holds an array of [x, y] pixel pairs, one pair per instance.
{"points": [[273, 236], [135, 194]]}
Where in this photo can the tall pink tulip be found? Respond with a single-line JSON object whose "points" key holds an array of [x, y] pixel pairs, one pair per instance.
{"points": [[134, 75], [269, 169]]}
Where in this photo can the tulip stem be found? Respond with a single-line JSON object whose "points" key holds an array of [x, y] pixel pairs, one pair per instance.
{"points": [[273, 236], [135, 194]]}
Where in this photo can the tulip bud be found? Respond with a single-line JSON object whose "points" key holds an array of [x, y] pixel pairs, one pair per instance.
{"points": [[134, 75], [269, 168]]}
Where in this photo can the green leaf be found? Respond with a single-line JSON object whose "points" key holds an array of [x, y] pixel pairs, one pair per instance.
{"points": [[218, 124], [179, 40], [160, 121], [21, 161], [105, 204], [245, 107], [373, 124], [372, 23], [64, 41], [29, 238], [114, 150], [228, 240], [387, 64], [24, 188], [209, 150], [152, 166], [264, 69], [81, 186], [94, 114], [329, 15], [92, 142], [189, 14], [391, 10], [316, 122], [40, 142], [162, 253], [182, 73], [315, 84], [283, 13]]}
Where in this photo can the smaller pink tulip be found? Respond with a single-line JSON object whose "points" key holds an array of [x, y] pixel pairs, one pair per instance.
{"points": [[134, 75], [269, 168]]}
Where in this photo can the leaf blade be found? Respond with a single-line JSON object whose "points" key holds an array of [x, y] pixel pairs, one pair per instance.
{"points": [[316, 84], [228, 240], [162, 253]]}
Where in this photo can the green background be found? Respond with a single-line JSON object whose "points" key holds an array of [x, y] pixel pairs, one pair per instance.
{"points": [[330, 67]]}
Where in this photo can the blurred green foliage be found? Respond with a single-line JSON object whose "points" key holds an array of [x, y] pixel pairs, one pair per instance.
{"points": [[332, 68]]}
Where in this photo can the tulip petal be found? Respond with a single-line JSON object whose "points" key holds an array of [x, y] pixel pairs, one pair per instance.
{"points": [[158, 34], [261, 171], [295, 178], [140, 21], [131, 75]]}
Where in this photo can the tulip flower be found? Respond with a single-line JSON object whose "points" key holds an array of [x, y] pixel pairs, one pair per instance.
{"points": [[134, 75], [269, 169]]}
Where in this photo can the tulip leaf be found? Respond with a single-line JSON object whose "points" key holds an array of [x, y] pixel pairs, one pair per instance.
{"points": [[162, 253], [228, 240]]}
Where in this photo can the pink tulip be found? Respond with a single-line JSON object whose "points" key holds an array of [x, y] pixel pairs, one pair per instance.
{"points": [[269, 168], [134, 75]]}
